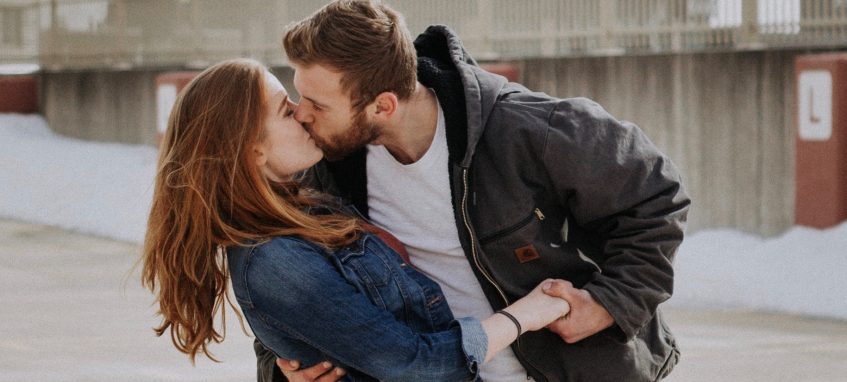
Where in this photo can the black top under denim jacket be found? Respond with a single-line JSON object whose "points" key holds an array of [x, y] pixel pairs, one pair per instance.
{"points": [[545, 187]]}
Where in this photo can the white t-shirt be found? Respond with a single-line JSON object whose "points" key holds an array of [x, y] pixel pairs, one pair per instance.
{"points": [[413, 202]]}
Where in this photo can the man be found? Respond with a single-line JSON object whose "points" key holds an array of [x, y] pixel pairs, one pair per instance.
{"points": [[494, 188]]}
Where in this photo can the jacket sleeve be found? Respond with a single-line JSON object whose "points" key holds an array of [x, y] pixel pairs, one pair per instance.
{"points": [[298, 296], [316, 177], [628, 196]]}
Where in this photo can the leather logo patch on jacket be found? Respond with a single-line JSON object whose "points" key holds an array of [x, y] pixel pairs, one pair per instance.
{"points": [[526, 253]]}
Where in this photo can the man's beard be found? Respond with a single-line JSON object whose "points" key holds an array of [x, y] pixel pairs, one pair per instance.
{"points": [[358, 134]]}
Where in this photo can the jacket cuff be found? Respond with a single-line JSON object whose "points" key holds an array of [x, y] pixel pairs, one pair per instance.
{"points": [[474, 343], [625, 319]]}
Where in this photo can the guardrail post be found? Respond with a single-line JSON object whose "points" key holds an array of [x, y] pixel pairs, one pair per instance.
{"points": [[197, 35], [677, 21], [48, 52], [122, 54], [484, 30], [749, 24], [608, 19], [550, 29]]}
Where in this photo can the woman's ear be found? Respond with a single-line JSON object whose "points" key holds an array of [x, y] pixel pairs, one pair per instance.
{"points": [[259, 155]]}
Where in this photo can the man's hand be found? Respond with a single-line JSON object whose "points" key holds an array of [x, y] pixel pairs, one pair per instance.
{"points": [[586, 317], [322, 372]]}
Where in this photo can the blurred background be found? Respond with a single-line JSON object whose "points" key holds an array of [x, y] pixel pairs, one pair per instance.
{"points": [[748, 97]]}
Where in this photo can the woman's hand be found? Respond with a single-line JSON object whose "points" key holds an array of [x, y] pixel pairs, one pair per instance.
{"points": [[537, 309]]}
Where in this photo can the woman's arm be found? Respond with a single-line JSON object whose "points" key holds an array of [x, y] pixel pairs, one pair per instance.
{"points": [[533, 312], [296, 295]]}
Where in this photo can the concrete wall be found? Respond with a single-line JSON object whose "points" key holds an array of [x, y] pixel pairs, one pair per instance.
{"points": [[111, 106], [725, 118], [101, 106]]}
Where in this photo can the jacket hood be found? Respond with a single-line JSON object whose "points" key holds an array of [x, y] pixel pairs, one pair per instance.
{"points": [[440, 49]]}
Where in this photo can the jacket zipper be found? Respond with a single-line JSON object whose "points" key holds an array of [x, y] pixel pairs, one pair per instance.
{"points": [[536, 213], [482, 270]]}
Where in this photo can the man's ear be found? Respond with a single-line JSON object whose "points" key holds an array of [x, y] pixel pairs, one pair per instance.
{"points": [[384, 105]]}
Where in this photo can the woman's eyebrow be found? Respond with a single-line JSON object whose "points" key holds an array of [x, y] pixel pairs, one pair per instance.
{"points": [[282, 104]]}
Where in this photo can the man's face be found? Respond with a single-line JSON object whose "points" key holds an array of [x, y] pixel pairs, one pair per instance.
{"points": [[326, 113]]}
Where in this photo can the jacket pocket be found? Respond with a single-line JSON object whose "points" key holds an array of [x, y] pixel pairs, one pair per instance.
{"points": [[525, 253], [370, 267], [375, 269], [535, 214], [367, 270]]}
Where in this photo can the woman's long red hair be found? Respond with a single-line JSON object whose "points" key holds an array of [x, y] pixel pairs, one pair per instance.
{"points": [[209, 194]]}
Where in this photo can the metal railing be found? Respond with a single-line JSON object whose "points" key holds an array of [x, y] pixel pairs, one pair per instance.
{"points": [[76, 34]]}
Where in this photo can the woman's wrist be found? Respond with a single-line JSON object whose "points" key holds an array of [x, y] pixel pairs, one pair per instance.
{"points": [[514, 320]]}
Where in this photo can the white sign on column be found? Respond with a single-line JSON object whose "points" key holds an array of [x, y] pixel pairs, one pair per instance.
{"points": [[815, 105], [165, 99]]}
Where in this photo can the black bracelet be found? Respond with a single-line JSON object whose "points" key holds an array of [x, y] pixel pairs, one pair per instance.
{"points": [[515, 320]]}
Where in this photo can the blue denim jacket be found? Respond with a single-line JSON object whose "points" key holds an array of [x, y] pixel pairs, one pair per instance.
{"points": [[361, 307]]}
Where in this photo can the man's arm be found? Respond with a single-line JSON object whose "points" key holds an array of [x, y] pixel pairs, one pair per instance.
{"points": [[272, 369], [266, 370], [586, 318], [621, 190]]}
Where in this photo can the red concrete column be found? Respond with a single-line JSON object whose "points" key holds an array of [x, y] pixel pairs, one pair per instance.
{"points": [[168, 86], [505, 69], [821, 140], [18, 94]]}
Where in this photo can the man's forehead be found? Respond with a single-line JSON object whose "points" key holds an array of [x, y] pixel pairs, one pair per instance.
{"points": [[318, 74], [317, 82]]}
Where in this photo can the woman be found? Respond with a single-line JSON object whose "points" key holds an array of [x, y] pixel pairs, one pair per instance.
{"points": [[314, 282]]}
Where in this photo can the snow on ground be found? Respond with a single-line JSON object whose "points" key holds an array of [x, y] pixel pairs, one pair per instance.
{"points": [[105, 189], [99, 188], [799, 272]]}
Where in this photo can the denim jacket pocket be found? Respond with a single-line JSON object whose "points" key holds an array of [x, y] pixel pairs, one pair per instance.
{"points": [[371, 270]]}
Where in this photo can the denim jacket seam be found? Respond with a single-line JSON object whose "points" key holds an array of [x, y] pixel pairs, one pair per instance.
{"points": [[405, 294], [244, 272], [394, 276]]}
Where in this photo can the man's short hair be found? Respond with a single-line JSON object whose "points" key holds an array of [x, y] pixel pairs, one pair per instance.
{"points": [[364, 40]]}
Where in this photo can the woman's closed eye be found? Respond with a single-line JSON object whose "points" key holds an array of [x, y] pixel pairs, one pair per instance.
{"points": [[285, 107]]}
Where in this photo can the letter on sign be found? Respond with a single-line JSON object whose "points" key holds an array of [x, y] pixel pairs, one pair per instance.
{"points": [[815, 107]]}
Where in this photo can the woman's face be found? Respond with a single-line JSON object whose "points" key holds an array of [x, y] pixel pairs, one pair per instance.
{"points": [[286, 148]]}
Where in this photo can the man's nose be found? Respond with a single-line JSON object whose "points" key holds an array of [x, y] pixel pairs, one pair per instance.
{"points": [[302, 115]]}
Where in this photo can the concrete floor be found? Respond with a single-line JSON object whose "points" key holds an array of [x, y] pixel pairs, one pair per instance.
{"points": [[755, 346], [73, 310]]}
